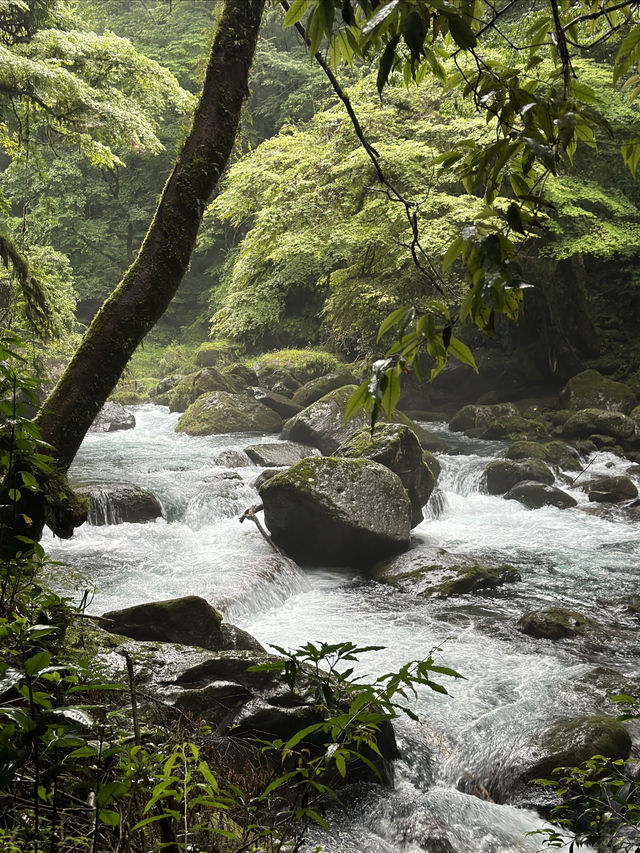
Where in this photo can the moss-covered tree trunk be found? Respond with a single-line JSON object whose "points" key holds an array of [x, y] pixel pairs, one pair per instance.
{"points": [[153, 279]]}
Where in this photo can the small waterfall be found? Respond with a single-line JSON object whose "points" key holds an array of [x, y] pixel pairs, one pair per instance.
{"points": [[437, 505], [103, 509]]}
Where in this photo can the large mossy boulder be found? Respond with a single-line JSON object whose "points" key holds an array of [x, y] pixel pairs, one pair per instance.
{"points": [[515, 427], [221, 413], [113, 417], [588, 422], [611, 489], [337, 512], [592, 390], [279, 454], [474, 417], [555, 453], [190, 387], [119, 503], [280, 404], [503, 474], [396, 447], [241, 376], [536, 495], [215, 353], [316, 388], [322, 424]]}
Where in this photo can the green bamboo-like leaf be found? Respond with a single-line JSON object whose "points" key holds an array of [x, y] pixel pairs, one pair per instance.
{"points": [[380, 16], [296, 12], [357, 400], [298, 736], [452, 253], [461, 32], [386, 63], [75, 715]]}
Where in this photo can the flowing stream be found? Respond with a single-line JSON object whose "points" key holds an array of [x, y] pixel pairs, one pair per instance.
{"points": [[513, 686]]}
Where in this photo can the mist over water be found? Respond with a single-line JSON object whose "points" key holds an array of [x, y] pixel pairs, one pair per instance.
{"points": [[513, 686]]}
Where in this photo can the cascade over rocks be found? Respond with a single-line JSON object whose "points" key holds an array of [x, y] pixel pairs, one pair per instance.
{"points": [[221, 412], [112, 417], [536, 495], [117, 503], [189, 621], [337, 512], [502, 474], [396, 447], [592, 390], [281, 454], [190, 387]]}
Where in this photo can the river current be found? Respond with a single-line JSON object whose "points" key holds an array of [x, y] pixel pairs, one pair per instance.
{"points": [[513, 685]]}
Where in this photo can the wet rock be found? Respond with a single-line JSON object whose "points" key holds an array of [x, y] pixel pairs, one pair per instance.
{"points": [[281, 454], [396, 447], [536, 495], [167, 384], [592, 390], [477, 417], [280, 404], [232, 459], [432, 463], [278, 380], [192, 386], [561, 456], [247, 704], [610, 489], [322, 423], [588, 422], [434, 573], [515, 427], [526, 450], [316, 388], [113, 417], [555, 623], [502, 474], [267, 474], [220, 412], [190, 621], [337, 512], [117, 503]]}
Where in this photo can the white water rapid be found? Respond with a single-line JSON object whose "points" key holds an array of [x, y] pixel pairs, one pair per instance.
{"points": [[513, 685]]}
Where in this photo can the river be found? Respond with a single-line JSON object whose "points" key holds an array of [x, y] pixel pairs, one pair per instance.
{"points": [[513, 685]]}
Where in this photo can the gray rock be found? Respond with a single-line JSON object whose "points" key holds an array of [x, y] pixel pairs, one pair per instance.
{"points": [[610, 489], [232, 459], [396, 447], [592, 390], [322, 423], [220, 413], [316, 388], [536, 495], [241, 375], [280, 404], [337, 512], [117, 503], [502, 474], [190, 387], [476, 417], [588, 422], [267, 474], [113, 417], [555, 623], [281, 454]]}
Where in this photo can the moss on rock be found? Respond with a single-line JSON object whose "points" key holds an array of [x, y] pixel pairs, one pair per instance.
{"points": [[221, 412]]}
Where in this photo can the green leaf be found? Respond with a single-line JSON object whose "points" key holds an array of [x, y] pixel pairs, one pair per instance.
{"points": [[380, 16], [514, 218], [341, 764], [452, 253], [296, 12], [392, 320], [75, 715], [386, 63], [461, 32], [37, 662], [110, 818], [298, 736], [357, 400], [391, 393]]}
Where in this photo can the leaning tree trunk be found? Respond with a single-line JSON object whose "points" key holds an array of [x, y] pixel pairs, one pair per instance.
{"points": [[150, 283]]}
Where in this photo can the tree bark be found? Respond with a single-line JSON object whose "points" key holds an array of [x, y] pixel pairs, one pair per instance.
{"points": [[149, 285]]}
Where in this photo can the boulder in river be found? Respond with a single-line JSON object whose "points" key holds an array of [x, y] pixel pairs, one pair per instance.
{"points": [[190, 387], [280, 404], [502, 474], [434, 573], [555, 623], [396, 447], [322, 423], [241, 376], [610, 489], [588, 422], [113, 417], [231, 459], [337, 512], [316, 388], [472, 417], [555, 453], [279, 454], [220, 412], [515, 427], [536, 495], [592, 390], [189, 621], [117, 503]]}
